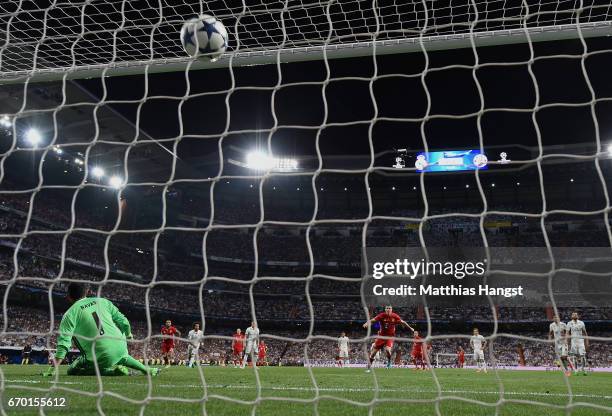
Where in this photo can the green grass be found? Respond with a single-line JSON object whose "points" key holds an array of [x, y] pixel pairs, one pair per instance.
{"points": [[291, 391]]}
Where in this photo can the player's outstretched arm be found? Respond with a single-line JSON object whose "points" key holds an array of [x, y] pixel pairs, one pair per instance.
{"points": [[407, 325], [368, 323], [64, 342], [51, 370]]}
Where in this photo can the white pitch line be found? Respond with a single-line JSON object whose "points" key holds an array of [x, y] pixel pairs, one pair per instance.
{"points": [[336, 389]]}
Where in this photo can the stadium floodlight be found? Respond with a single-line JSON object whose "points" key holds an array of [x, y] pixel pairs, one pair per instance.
{"points": [[259, 161], [285, 164], [78, 161], [97, 171], [33, 137], [115, 181], [263, 162], [5, 121], [57, 150], [610, 149]]}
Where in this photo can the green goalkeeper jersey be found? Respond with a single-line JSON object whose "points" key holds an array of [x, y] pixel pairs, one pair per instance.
{"points": [[87, 319]]}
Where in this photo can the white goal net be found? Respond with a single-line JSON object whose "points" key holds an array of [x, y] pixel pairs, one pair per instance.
{"points": [[245, 189]]}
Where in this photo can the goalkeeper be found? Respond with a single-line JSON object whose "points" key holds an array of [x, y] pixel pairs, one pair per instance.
{"points": [[99, 331]]}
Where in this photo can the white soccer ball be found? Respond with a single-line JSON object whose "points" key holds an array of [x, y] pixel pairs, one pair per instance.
{"points": [[204, 35]]}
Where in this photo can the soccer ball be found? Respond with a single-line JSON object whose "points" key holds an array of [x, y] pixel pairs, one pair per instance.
{"points": [[204, 35]]}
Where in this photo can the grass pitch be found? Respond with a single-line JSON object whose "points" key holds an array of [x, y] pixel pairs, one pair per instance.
{"points": [[325, 391]]}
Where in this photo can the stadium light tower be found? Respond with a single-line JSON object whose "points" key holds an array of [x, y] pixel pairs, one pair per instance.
{"points": [[97, 172], [259, 161], [33, 137], [115, 181]]}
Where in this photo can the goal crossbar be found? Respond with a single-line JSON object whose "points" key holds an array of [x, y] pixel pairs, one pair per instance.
{"points": [[311, 53]]}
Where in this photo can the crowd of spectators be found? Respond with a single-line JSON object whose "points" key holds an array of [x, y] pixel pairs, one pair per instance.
{"points": [[32, 326], [141, 265]]}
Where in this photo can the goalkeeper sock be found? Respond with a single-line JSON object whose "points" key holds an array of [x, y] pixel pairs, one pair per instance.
{"points": [[134, 364]]}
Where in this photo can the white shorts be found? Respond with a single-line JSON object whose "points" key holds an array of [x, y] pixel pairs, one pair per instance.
{"points": [[250, 348], [192, 349], [561, 349], [343, 353], [577, 347], [478, 355]]}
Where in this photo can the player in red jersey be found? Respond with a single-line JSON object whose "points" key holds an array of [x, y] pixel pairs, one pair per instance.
{"points": [[237, 347], [167, 346], [416, 354], [460, 357], [261, 356], [388, 320]]}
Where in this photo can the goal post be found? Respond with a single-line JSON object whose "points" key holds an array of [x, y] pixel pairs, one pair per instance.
{"points": [[446, 359]]}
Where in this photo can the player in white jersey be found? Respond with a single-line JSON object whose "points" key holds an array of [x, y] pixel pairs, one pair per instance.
{"points": [[478, 344], [252, 344], [195, 337], [343, 349], [557, 331], [579, 343]]}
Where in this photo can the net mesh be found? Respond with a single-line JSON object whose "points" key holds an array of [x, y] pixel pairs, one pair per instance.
{"points": [[68, 35], [82, 128]]}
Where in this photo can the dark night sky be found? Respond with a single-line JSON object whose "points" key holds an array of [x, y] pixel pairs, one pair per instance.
{"points": [[453, 92]]}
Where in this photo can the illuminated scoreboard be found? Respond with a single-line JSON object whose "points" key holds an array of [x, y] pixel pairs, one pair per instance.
{"points": [[451, 161]]}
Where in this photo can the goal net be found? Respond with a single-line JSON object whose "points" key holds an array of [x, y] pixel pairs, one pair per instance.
{"points": [[247, 189]]}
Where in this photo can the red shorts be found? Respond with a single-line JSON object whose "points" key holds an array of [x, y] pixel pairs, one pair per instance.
{"points": [[261, 357], [380, 343], [167, 347], [417, 354], [237, 351]]}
